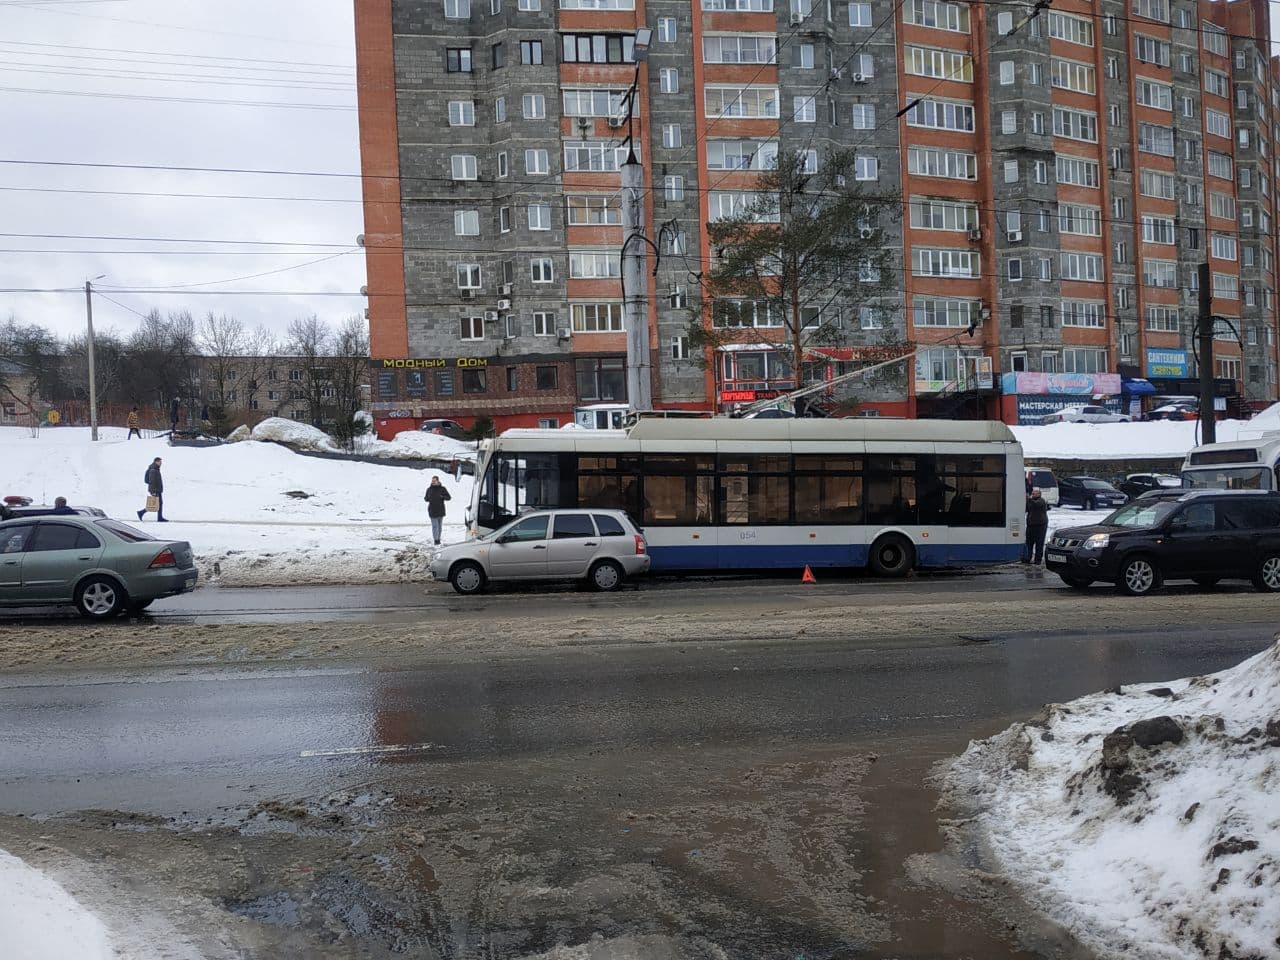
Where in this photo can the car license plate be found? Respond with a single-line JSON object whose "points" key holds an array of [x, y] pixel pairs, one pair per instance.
{"points": [[189, 583], [1055, 555]]}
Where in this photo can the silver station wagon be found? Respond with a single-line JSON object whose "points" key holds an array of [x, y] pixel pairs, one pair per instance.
{"points": [[601, 547]]}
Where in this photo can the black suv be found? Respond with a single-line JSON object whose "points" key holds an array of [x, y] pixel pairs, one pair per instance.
{"points": [[1200, 535]]}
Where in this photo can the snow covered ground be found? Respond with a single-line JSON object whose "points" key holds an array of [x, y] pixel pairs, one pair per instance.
{"points": [[359, 523], [1114, 441], [409, 445], [1144, 821], [39, 920]]}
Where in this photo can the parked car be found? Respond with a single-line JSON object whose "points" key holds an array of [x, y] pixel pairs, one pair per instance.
{"points": [[1046, 481], [1085, 415], [600, 547], [448, 428], [1089, 493], [102, 566], [1200, 535], [1136, 484], [1174, 411]]}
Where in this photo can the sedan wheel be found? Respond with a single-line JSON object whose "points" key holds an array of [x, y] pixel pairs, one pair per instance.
{"points": [[1139, 577], [99, 598], [605, 576], [1268, 576], [467, 578]]}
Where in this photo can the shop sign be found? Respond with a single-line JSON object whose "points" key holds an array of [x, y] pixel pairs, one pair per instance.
{"points": [[428, 363], [1166, 363], [1031, 407], [746, 396], [1074, 384]]}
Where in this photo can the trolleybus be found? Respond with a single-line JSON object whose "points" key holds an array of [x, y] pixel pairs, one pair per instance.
{"points": [[727, 494]]}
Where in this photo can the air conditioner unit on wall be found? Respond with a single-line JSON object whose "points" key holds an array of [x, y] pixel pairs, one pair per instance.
{"points": [[797, 19], [504, 304], [1015, 236], [491, 316], [467, 294], [860, 78], [564, 333], [866, 233], [504, 290], [975, 234], [616, 122]]}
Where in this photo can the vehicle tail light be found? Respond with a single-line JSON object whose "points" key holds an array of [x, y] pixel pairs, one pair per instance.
{"points": [[640, 545], [164, 558]]}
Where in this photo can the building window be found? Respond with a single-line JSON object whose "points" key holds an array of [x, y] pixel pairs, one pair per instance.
{"points": [[537, 162], [673, 188], [457, 9], [603, 379], [667, 29], [679, 348], [462, 113], [1084, 360], [595, 265], [804, 109], [458, 60], [596, 317], [534, 106], [498, 55], [474, 381], [528, 6], [500, 110], [671, 138], [1015, 269], [539, 216], [866, 168], [463, 166], [597, 47], [669, 80], [860, 15], [588, 210], [503, 169], [542, 270], [531, 52], [548, 377], [1007, 72], [469, 276], [466, 223], [471, 328], [544, 324], [513, 379]]}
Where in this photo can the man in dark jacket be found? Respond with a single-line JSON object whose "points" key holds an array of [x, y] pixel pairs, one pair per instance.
{"points": [[60, 508], [1037, 526], [155, 488], [436, 496]]}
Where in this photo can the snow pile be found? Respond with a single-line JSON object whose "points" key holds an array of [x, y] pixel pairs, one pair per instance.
{"points": [[39, 920], [1118, 441], [295, 435], [255, 513], [1145, 821], [418, 445], [240, 433]]}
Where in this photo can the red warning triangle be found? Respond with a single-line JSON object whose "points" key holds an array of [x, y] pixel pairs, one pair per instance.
{"points": [[808, 575]]}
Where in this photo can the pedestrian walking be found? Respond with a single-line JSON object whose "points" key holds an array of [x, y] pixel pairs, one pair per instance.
{"points": [[174, 409], [1037, 526], [155, 491], [436, 496], [133, 423]]}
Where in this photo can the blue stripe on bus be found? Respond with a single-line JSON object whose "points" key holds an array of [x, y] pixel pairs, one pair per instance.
{"points": [[766, 556]]}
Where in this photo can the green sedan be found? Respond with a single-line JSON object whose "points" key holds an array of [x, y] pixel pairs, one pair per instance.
{"points": [[103, 566]]}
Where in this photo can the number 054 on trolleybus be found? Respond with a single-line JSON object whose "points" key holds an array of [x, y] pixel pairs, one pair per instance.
{"points": [[726, 494]]}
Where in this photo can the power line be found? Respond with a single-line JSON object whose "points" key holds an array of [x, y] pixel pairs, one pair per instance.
{"points": [[149, 56], [189, 196], [156, 99], [191, 79]]}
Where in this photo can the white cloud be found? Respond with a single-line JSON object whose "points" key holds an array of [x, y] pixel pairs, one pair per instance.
{"points": [[43, 47]]}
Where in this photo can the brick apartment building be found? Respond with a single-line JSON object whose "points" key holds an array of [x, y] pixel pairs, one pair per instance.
{"points": [[1062, 175]]}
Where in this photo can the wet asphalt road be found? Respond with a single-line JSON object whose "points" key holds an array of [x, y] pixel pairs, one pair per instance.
{"points": [[175, 741]]}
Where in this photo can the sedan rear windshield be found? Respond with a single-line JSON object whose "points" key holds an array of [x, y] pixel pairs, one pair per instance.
{"points": [[1143, 515], [124, 531]]}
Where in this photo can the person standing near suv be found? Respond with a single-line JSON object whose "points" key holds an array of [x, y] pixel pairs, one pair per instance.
{"points": [[1037, 527], [436, 496]]}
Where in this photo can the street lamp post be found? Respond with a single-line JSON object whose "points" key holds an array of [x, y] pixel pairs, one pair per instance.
{"points": [[93, 382], [635, 289]]}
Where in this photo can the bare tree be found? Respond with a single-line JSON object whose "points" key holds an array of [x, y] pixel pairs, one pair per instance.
{"points": [[308, 339], [350, 379], [260, 351], [222, 341]]}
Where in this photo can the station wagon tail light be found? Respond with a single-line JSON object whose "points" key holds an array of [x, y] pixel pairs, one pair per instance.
{"points": [[640, 545], [164, 558]]}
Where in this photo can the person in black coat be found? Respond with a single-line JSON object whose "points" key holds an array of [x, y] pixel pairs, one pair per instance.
{"points": [[1037, 526], [155, 488], [436, 496]]}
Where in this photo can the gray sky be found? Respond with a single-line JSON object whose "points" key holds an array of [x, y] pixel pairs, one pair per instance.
{"points": [[280, 51]]}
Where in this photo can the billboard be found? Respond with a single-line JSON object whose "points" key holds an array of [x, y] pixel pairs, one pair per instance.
{"points": [[1031, 407], [1075, 384], [1166, 363]]}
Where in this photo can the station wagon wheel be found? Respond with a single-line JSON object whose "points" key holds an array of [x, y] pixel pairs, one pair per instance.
{"points": [[1267, 578], [892, 556], [100, 598], [605, 576], [467, 577], [1138, 577]]}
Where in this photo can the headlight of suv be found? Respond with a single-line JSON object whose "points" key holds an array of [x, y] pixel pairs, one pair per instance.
{"points": [[1097, 541]]}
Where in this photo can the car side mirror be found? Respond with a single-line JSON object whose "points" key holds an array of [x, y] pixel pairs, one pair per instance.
{"points": [[1178, 525], [505, 538]]}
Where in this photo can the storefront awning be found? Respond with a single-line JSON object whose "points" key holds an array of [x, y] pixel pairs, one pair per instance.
{"points": [[1136, 387]]}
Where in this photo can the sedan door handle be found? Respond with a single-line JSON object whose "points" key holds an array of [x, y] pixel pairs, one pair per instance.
{"points": [[591, 544], [540, 547], [84, 558]]}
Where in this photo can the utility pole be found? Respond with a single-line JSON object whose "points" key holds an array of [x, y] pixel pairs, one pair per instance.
{"points": [[93, 382], [635, 287], [1204, 327]]}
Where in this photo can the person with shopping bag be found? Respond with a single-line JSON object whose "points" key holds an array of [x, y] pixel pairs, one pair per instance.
{"points": [[436, 496], [155, 492]]}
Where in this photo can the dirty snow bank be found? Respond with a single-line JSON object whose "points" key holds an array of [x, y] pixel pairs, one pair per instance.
{"points": [[1145, 821], [39, 920], [408, 445]]}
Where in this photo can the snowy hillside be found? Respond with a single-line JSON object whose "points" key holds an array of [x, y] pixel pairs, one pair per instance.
{"points": [[357, 523], [1145, 821]]}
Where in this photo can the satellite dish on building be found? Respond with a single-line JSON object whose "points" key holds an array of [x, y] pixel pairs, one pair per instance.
{"points": [[364, 291], [360, 240]]}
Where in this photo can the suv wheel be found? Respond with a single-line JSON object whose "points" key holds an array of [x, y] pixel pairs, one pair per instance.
{"points": [[1139, 577], [467, 578], [1267, 578], [605, 576]]}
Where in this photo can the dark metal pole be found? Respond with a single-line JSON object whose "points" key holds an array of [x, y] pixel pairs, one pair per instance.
{"points": [[1208, 417]]}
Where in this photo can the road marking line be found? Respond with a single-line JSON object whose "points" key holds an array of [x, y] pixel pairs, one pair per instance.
{"points": [[358, 751]]}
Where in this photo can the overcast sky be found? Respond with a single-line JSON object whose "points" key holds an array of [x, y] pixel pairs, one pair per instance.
{"points": [[112, 59]]}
